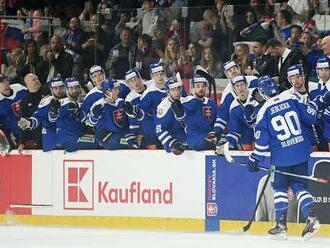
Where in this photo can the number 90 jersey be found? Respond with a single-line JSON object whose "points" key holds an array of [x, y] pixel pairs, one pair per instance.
{"points": [[282, 128]]}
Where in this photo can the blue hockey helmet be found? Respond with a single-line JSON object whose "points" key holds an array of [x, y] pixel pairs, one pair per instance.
{"points": [[199, 79], [55, 81], [172, 83], [268, 87], [109, 84], [157, 67], [71, 82], [132, 73]]}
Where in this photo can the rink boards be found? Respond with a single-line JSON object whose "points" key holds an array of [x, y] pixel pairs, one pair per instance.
{"points": [[135, 190]]}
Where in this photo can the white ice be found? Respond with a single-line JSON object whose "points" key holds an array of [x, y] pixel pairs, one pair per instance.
{"points": [[29, 236]]}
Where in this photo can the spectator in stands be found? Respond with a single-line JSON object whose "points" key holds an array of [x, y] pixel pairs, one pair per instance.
{"points": [[263, 63], [88, 12], [31, 59], [301, 9], [194, 53], [311, 54], [60, 61], [284, 58], [36, 32], [15, 61], [206, 32], [253, 27], [176, 32], [74, 38], [144, 56], [211, 63], [95, 47], [325, 44], [185, 66], [241, 56], [171, 57], [27, 139], [5, 9], [283, 28], [121, 56], [294, 40]]}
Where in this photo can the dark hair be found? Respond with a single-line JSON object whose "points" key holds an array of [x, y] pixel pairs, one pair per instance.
{"points": [[286, 15], [3, 78], [274, 43], [261, 41], [297, 27]]}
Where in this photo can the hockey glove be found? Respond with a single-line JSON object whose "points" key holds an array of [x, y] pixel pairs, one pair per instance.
{"points": [[219, 147], [132, 142], [250, 114], [29, 123], [98, 111], [74, 109], [252, 163], [54, 107], [178, 148], [212, 137], [178, 110], [322, 102], [133, 111]]}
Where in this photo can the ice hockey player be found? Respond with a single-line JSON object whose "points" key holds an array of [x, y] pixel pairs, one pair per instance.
{"points": [[109, 118], [170, 124], [200, 115], [71, 132], [281, 130]]}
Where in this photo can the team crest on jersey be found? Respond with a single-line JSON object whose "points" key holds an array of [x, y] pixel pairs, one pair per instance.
{"points": [[207, 112], [119, 117], [16, 107]]}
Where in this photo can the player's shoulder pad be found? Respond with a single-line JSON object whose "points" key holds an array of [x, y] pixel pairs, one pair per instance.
{"points": [[187, 99], [163, 107], [45, 101], [92, 91]]}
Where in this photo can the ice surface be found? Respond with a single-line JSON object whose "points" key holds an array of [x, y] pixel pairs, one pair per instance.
{"points": [[29, 236]]}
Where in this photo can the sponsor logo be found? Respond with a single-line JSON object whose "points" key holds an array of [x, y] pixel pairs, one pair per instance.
{"points": [[78, 184], [211, 209]]}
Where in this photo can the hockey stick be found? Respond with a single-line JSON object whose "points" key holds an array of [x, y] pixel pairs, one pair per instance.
{"points": [[203, 72], [248, 225]]}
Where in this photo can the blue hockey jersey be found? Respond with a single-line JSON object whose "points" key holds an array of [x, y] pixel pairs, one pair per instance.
{"points": [[10, 108], [93, 96], [48, 128], [199, 120], [239, 130], [227, 98], [168, 128], [281, 128]]}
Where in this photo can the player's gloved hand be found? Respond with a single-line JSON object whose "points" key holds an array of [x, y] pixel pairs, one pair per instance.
{"points": [[54, 107], [74, 109], [322, 102], [98, 111], [178, 110], [219, 147], [252, 163], [132, 141], [178, 148], [250, 114], [24, 123], [133, 111], [212, 137]]}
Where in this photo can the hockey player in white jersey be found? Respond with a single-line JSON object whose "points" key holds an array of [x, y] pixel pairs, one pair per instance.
{"points": [[281, 130]]}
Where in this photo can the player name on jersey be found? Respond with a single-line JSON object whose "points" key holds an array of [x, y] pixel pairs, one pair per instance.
{"points": [[279, 108]]}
